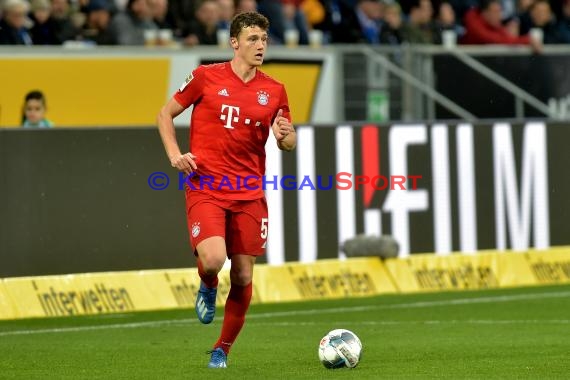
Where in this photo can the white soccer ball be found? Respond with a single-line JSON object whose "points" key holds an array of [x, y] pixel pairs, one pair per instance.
{"points": [[340, 348]]}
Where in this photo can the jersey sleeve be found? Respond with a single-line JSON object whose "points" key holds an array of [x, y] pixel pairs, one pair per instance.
{"points": [[284, 105], [192, 89]]}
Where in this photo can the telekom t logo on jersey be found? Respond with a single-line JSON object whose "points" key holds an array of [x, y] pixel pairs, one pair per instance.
{"points": [[230, 114]]}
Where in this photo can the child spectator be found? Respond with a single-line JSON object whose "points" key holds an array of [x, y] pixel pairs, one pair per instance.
{"points": [[33, 114]]}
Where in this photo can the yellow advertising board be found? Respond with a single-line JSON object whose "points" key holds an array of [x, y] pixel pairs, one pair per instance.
{"points": [[551, 266], [87, 91], [118, 292], [484, 270], [182, 285], [52, 296], [324, 279], [7, 310], [101, 293]]}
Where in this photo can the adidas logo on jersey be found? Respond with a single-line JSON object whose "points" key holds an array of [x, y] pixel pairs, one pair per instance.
{"points": [[223, 92]]}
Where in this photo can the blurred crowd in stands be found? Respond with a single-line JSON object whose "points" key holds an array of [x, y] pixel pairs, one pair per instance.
{"points": [[197, 22]]}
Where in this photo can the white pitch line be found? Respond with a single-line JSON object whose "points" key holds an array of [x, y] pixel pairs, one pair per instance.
{"points": [[132, 325], [430, 322], [421, 304], [348, 309]]}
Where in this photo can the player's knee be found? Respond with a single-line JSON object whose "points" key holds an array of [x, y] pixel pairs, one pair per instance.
{"points": [[241, 277], [212, 265]]}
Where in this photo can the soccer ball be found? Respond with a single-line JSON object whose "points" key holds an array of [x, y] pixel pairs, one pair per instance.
{"points": [[340, 348]]}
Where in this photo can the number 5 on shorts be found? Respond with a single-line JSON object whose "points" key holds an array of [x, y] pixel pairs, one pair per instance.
{"points": [[264, 228]]}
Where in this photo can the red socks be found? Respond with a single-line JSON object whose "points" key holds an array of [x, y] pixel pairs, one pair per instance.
{"points": [[235, 309], [211, 281], [234, 315]]}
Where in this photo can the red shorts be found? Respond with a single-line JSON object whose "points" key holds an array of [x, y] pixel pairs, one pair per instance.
{"points": [[242, 224]]}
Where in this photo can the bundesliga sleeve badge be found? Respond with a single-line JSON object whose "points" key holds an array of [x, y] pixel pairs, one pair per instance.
{"points": [[188, 79]]}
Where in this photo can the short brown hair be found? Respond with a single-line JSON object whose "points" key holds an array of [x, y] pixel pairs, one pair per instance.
{"points": [[246, 20]]}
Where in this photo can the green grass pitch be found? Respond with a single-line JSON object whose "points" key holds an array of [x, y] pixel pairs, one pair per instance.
{"points": [[497, 334]]}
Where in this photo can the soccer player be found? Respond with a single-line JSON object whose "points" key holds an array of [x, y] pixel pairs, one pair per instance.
{"points": [[235, 108]]}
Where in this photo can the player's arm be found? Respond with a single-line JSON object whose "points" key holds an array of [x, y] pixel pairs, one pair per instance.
{"points": [[165, 119]]}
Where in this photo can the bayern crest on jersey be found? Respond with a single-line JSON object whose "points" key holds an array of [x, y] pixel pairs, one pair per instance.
{"points": [[195, 229], [262, 98]]}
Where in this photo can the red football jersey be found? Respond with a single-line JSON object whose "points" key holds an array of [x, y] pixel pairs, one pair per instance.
{"points": [[230, 123]]}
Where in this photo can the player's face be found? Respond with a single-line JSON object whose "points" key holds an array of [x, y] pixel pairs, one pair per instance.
{"points": [[251, 44]]}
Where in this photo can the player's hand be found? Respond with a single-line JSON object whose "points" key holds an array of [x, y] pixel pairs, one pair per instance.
{"points": [[281, 126], [184, 162]]}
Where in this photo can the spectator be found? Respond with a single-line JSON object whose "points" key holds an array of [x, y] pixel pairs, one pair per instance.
{"points": [[203, 30], [182, 12], [34, 110], [227, 12], [325, 21], [119, 6], [509, 9], [565, 21], [314, 11], [295, 19], [68, 22], [128, 27], [245, 6], [523, 6], [391, 33], [44, 31], [446, 20], [523, 15], [161, 14], [97, 25], [419, 28], [369, 14], [541, 17], [273, 10], [14, 23], [483, 26], [355, 24], [460, 7]]}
